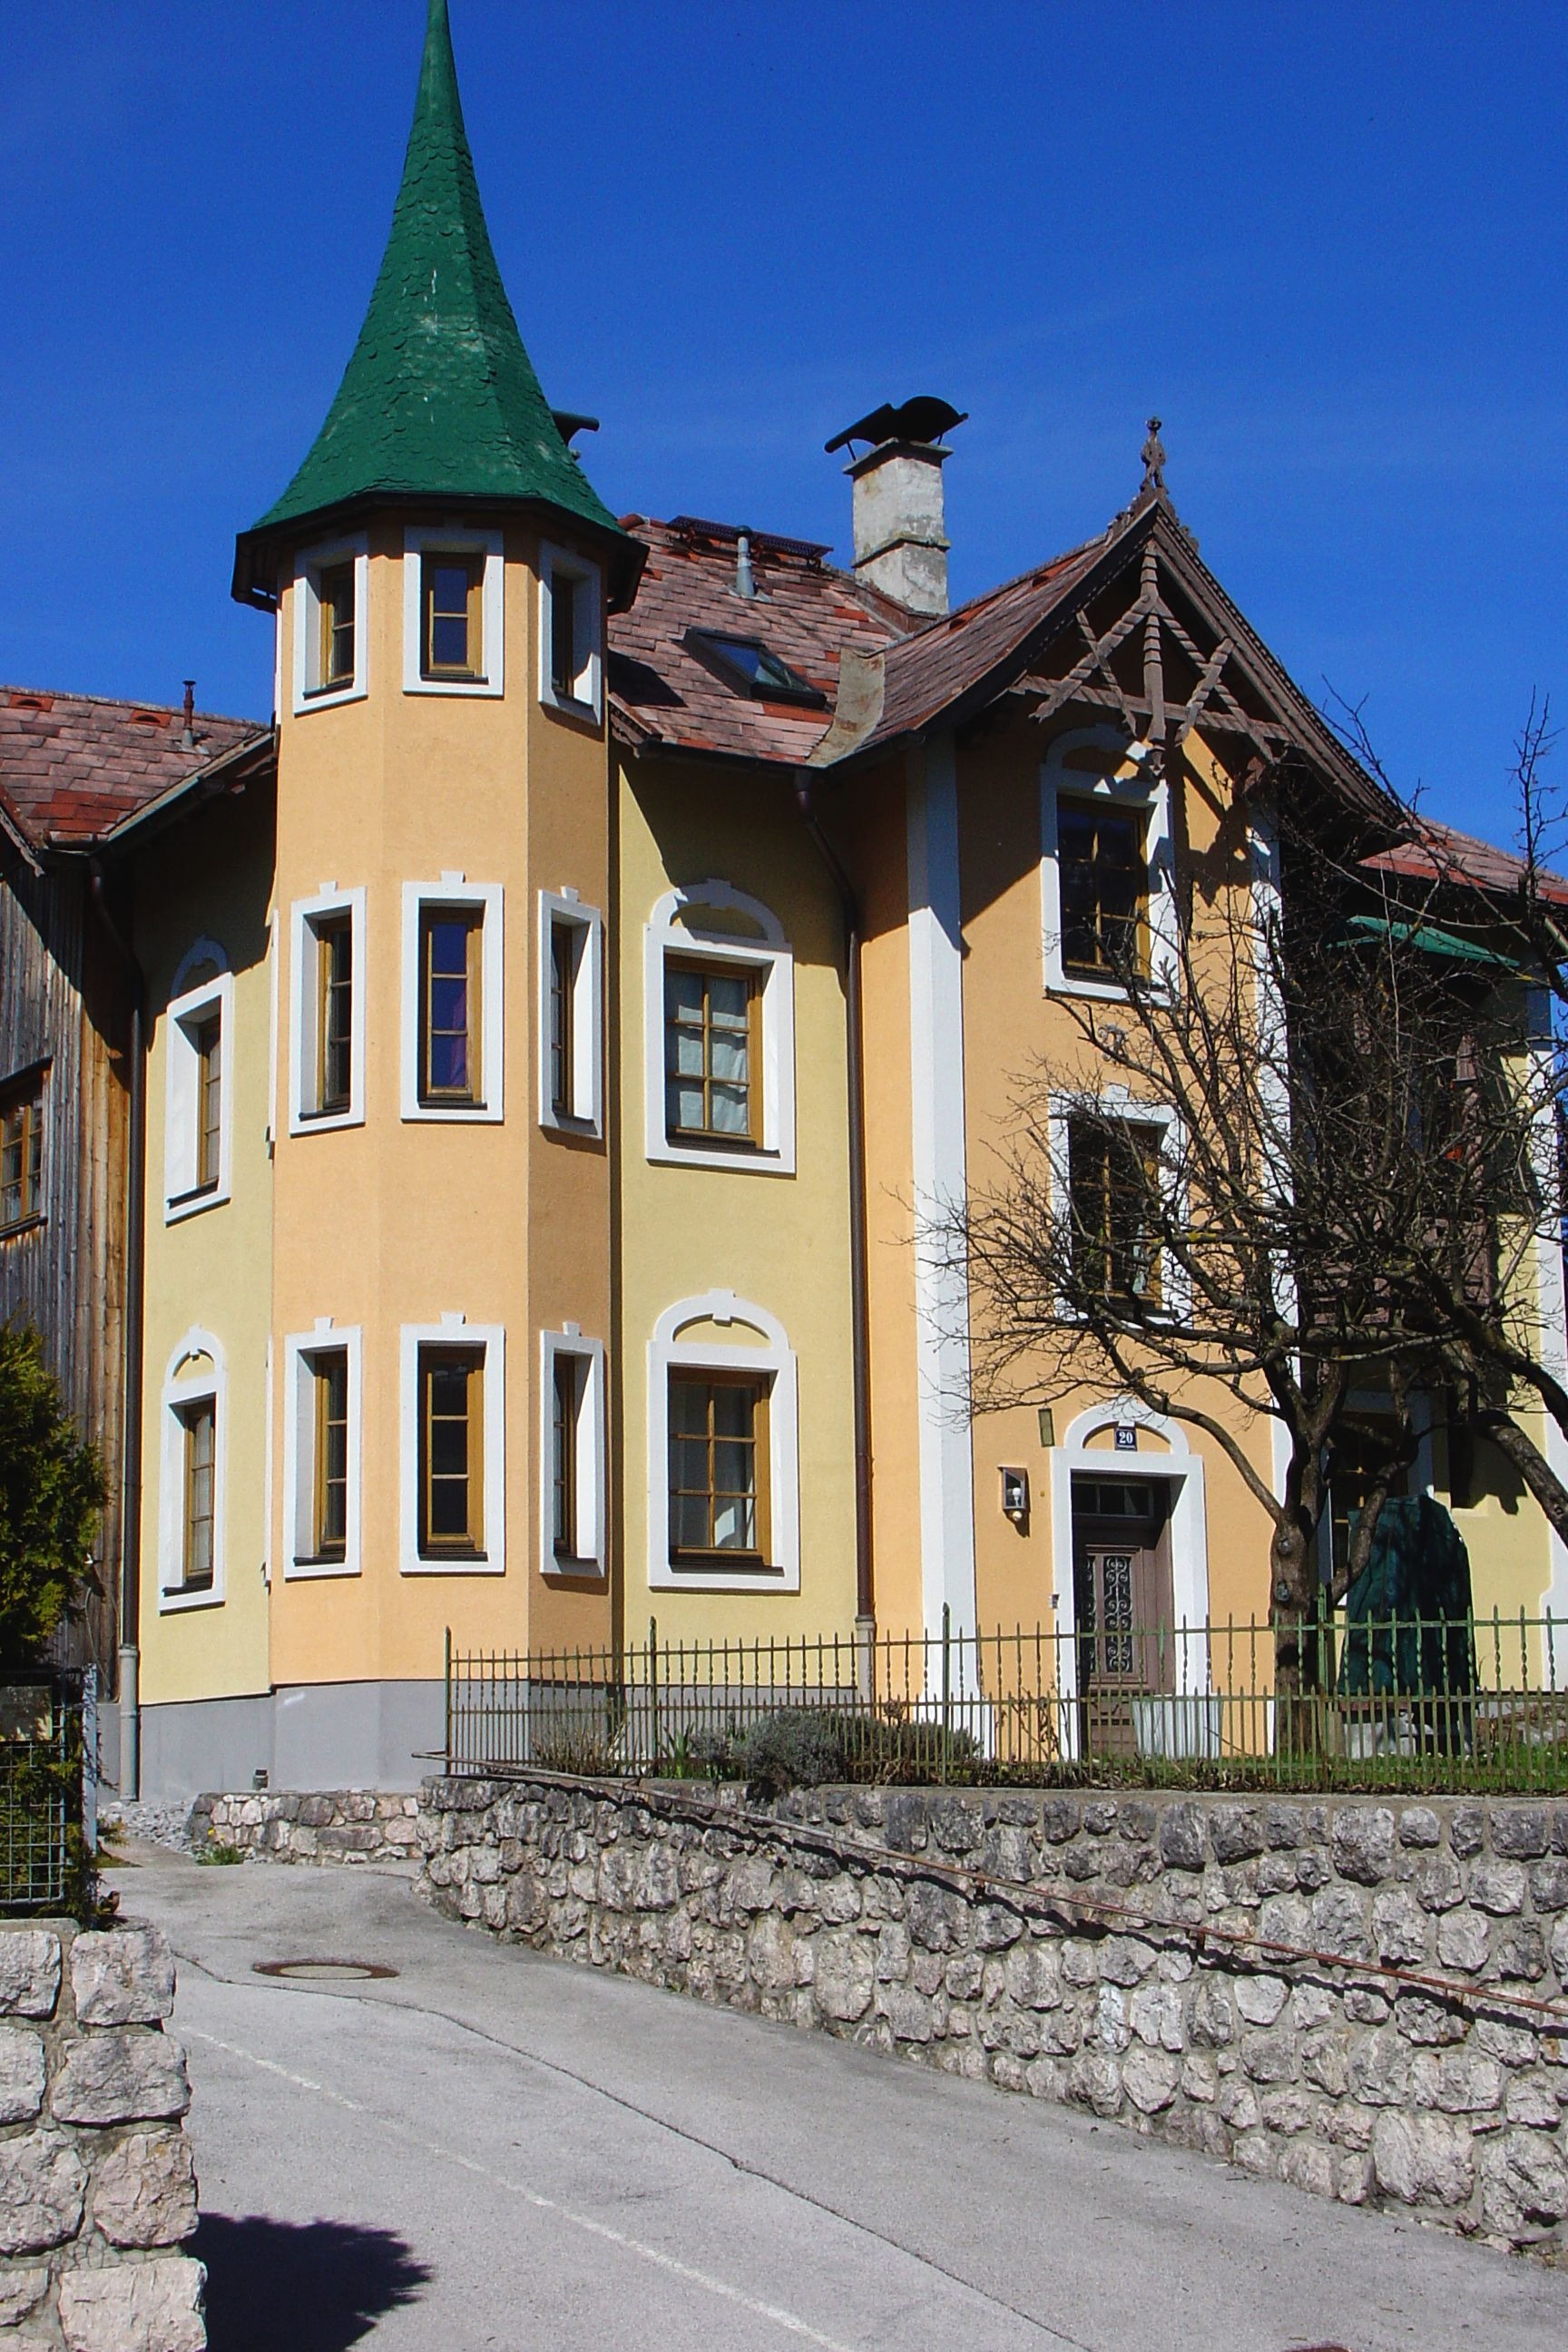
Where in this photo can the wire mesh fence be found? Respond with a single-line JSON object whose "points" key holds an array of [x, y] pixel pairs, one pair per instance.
{"points": [[1472, 1703], [44, 1792]]}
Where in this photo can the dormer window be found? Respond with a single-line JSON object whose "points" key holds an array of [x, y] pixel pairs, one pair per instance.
{"points": [[747, 664]]}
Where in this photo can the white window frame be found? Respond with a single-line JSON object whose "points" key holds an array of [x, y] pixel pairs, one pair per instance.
{"points": [[772, 1357], [1133, 791], [1115, 1102], [452, 1331], [310, 694], [182, 1104], [771, 956], [433, 541], [306, 917], [179, 1393], [587, 633], [299, 1349], [592, 1500], [563, 909], [456, 890]]}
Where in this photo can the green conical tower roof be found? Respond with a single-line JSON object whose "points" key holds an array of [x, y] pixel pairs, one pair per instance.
{"points": [[439, 399]]}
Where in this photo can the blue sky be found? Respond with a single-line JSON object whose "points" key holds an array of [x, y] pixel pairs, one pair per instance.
{"points": [[1327, 242]]}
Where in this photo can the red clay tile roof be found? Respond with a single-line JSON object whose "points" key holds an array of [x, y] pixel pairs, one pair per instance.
{"points": [[804, 611], [1439, 854], [927, 671], [72, 765]]}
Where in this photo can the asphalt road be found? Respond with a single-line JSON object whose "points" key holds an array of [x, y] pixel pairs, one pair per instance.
{"points": [[490, 2148]]}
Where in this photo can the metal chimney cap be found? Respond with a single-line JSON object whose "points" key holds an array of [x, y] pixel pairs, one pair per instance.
{"points": [[923, 419]]}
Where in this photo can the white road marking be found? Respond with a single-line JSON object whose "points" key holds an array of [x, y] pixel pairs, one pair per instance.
{"points": [[792, 2324]]}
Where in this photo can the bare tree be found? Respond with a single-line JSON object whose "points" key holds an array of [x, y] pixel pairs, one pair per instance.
{"points": [[1296, 1160]]}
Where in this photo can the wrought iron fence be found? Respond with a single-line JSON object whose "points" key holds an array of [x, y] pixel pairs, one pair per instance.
{"points": [[47, 1775], [1473, 1703]]}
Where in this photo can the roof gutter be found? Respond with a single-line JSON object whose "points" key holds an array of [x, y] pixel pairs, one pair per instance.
{"points": [[130, 1433], [864, 1577]]}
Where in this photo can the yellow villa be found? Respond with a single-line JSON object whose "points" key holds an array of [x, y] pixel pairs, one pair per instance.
{"points": [[546, 1028]]}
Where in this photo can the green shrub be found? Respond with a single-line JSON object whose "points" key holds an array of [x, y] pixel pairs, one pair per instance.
{"points": [[51, 1491], [793, 1748]]}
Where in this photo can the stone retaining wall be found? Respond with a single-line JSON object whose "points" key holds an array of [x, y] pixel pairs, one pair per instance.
{"points": [[96, 2192], [1369, 2001], [336, 1825]]}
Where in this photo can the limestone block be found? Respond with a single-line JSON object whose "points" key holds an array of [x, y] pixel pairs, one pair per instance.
{"points": [[1285, 1919], [1270, 2057], [42, 2183], [1524, 2182], [1149, 2078], [771, 1953], [658, 1883], [1497, 1887], [1182, 1845], [909, 2014], [1284, 1825], [135, 2307], [21, 2291], [1363, 1843], [1511, 2045], [1467, 1829], [1548, 1884], [1533, 2101], [1213, 2024], [1423, 2158], [1430, 2024], [997, 1926], [1380, 2069], [1259, 1999], [123, 1978], [1094, 2080], [1521, 1831], [29, 1971], [936, 1916], [957, 1824], [1311, 2168], [1399, 1928], [1237, 1832], [1155, 2016], [1288, 2110], [1255, 2153], [1419, 1825], [1520, 1951], [1463, 1941], [1560, 1951], [1111, 2030], [146, 2193], [22, 2074], [1200, 2077], [121, 2076], [1438, 1883], [1325, 2061], [1460, 2081], [1340, 1922]]}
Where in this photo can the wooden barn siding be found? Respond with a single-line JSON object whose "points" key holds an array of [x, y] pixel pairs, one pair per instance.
{"points": [[60, 999]]}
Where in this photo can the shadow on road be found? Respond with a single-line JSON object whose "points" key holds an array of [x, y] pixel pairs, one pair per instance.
{"points": [[319, 2286]]}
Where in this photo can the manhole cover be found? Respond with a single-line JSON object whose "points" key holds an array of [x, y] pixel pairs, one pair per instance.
{"points": [[323, 1971]]}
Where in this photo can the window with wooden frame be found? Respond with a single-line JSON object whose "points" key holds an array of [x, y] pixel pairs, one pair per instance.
{"points": [[207, 1041], [1104, 868], [566, 940], [1114, 1182], [333, 935], [199, 1422], [335, 620], [22, 1153], [717, 1466], [571, 614], [713, 1052], [564, 591], [565, 1410], [329, 1372], [451, 990], [451, 1451], [452, 615]]}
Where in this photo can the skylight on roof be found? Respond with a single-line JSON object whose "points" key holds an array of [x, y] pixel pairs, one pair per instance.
{"points": [[746, 664]]}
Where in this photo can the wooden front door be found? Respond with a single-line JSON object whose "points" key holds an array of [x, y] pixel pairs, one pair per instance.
{"points": [[1122, 1590]]}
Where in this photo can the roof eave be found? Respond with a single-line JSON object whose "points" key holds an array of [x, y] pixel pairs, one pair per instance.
{"points": [[259, 553], [234, 766]]}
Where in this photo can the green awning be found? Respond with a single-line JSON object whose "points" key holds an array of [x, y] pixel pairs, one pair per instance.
{"points": [[1427, 939]]}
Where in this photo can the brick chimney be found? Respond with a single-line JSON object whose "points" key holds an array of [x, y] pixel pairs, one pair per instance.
{"points": [[900, 545]]}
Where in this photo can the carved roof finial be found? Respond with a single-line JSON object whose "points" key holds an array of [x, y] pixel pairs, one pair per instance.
{"points": [[1154, 457]]}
